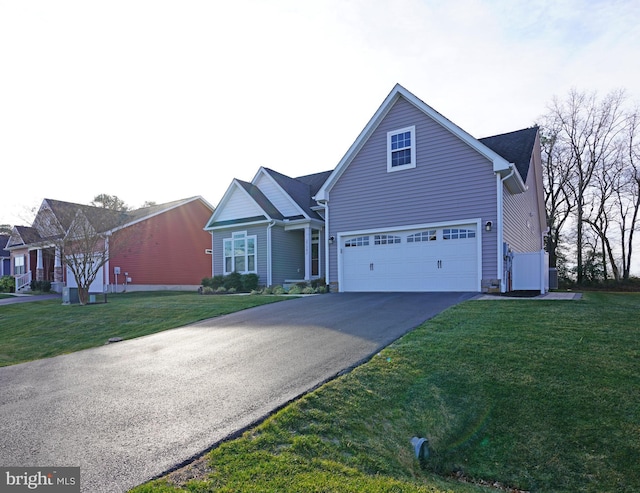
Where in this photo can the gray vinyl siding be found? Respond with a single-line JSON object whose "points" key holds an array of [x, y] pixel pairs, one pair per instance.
{"points": [[287, 254], [260, 231], [520, 212], [450, 182]]}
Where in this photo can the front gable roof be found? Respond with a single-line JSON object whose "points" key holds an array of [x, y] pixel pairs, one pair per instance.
{"points": [[500, 164], [23, 235], [246, 203], [269, 196]]}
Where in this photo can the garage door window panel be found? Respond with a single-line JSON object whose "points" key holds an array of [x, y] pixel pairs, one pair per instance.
{"points": [[386, 240], [357, 242], [429, 235], [457, 233]]}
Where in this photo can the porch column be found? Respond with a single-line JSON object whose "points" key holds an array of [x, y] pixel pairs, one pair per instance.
{"points": [[39, 266], [57, 268], [307, 252]]}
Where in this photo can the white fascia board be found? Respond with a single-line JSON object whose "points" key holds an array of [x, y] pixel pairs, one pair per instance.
{"points": [[273, 180], [242, 225], [301, 223]]}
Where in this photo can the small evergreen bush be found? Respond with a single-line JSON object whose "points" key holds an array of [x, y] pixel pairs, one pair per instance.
{"points": [[250, 282], [233, 280], [7, 284]]}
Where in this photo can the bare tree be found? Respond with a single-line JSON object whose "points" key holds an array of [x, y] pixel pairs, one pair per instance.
{"points": [[557, 174], [112, 202], [588, 132], [85, 238]]}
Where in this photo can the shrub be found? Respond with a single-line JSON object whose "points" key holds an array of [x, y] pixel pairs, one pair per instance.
{"points": [[249, 282], [308, 290], [267, 290], [233, 280], [278, 290], [207, 290], [295, 289], [213, 282], [43, 286], [7, 284], [316, 283], [321, 289], [221, 290]]}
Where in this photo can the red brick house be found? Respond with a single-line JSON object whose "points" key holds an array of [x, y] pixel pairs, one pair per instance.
{"points": [[159, 247]]}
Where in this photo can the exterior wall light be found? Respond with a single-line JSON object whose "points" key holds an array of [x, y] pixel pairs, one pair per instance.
{"points": [[331, 240], [488, 226]]}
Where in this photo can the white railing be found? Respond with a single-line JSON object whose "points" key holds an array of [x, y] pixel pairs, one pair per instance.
{"points": [[22, 281]]}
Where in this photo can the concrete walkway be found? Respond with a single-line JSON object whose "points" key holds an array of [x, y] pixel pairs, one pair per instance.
{"points": [[546, 297]]}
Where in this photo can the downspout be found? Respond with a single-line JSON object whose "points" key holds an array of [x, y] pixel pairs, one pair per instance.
{"points": [[269, 254], [325, 205], [107, 263], [501, 181]]}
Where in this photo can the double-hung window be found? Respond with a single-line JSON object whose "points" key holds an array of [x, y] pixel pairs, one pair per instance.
{"points": [[401, 149], [240, 253], [18, 265]]}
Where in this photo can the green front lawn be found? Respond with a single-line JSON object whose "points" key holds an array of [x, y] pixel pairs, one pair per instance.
{"points": [[41, 329], [541, 396]]}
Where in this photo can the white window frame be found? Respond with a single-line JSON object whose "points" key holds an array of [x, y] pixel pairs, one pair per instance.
{"points": [[239, 236], [412, 147], [19, 265]]}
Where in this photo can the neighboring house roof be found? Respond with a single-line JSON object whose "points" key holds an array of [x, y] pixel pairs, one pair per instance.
{"points": [[23, 235], [516, 147], [4, 239], [101, 219], [500, 163]]}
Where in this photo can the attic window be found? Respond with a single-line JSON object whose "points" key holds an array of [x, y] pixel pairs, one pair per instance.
{"points": [[401, 149]]}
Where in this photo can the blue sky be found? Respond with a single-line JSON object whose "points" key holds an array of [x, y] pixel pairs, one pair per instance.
{"points": [[162, 100]]}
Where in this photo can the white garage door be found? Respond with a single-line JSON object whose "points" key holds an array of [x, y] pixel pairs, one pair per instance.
{"points": [[432, 259]]}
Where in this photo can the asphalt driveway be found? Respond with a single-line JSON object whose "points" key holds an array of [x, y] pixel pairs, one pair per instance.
{"points": [[126, 412]]}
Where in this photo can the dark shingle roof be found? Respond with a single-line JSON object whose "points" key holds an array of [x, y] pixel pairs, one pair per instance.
{"points": [[3, 243], [28, 234], [257, 195], [301, 189], [101, 219], [516, 147]]}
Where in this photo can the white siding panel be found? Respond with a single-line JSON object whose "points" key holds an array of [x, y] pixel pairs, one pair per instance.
{"points": [[276, 196], [239, 206], [521, 225]]}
